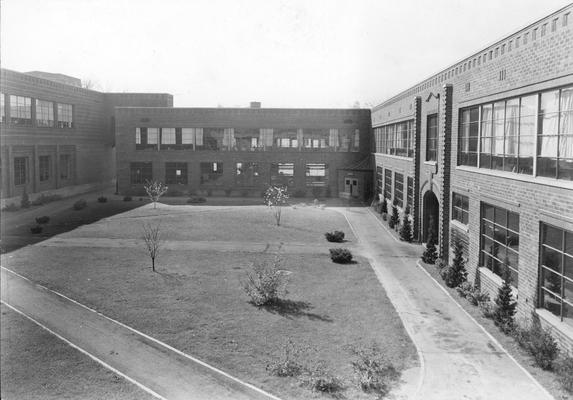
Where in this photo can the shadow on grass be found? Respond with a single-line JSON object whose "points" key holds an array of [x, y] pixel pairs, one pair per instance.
{"points": [[294, 309]]}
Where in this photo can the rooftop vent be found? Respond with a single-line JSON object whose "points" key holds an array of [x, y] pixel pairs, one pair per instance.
{"points": [[255, 104]]}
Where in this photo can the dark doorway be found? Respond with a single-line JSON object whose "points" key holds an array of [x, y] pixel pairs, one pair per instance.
{"points": [[431, 215]]}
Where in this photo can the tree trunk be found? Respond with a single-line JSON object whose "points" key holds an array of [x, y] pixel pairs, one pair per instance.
{"points": [[153, 264]]}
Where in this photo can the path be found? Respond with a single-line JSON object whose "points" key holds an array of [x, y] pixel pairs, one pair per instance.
{"points": [[459, 360], [157, 367]]}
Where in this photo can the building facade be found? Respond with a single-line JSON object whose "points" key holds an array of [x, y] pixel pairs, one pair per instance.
{"points": [[56, 136], [483, 151], [241, 151]]}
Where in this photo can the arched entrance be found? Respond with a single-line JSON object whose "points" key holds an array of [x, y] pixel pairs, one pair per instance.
{"points": [[431, 215]]}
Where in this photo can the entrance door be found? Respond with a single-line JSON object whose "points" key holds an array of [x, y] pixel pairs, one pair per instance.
{"points": [[351, 186], [431, 216]]}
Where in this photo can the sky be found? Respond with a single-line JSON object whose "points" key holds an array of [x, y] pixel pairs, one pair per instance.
{"points": [[283, 53]]}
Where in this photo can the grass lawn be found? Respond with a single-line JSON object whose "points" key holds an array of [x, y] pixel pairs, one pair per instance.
{"points": [[195, 302], [37, 365]]}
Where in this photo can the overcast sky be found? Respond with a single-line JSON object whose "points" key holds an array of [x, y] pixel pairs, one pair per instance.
{"points": [[208, 53]]}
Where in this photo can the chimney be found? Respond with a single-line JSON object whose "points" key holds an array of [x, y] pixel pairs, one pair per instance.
{"points": [[255, 104]]}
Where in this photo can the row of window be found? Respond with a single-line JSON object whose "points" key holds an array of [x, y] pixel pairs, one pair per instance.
{"points": [[245, 173], [384, 187], [396, 139], [18, 111], [45, 168], [527, 135], [499, 252], [238, 139]]}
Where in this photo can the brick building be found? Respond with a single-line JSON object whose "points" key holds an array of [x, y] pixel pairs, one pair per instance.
{"points": [[241, 151], [56, 136], [484, 149]]}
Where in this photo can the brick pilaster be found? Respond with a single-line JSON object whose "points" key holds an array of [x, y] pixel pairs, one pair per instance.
{"points": [[444, 161]]}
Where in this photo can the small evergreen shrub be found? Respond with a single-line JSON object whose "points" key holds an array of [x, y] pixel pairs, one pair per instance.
{"points": [[80, 205], [504, 312], [384, 207], [430, 254], [266, 282], [320, 379], [195, 200], [374, 374], [36, 229], [127, 198], [539, 343], [406, 227], [25, 200], [456, 273], [472, 293], [394, 218], [11, 207], [341, 256], [564, 369], [336, 236], [102, 199], [384, 217], [288, 363], [487, 309], [42, 220]]}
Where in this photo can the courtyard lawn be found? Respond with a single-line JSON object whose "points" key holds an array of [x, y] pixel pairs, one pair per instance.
{"points": [[37, 365], [196, 303]]}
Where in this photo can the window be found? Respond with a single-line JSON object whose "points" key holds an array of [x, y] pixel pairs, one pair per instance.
{"points": [[288, 138], [45, 167], [396, 139], [246, 139], [556, 269], [316, 175], [555, 134], [248, 174], [499, 241], [432, 138], [399, 189], [388, 184], [20, 110], [468, 137], [410, 194], [20, 170], [44, 113], [282, 174], [211, 172], [65, 116], [140, 172], [2, 108], [167, 136], [176, 173], [191, 138], [460, 208], [65, 167], [213, 139], [146, 138], [379, 181]]}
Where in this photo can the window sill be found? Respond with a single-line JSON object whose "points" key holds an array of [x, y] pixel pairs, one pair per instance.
{"points": [[555, 322], [496, 279], [460, 226], [405, 158], [518, 177]]}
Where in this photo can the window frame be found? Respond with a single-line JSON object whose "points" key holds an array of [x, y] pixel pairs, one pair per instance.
{"points": [[145, 174], [459, 212], [432, 137]]}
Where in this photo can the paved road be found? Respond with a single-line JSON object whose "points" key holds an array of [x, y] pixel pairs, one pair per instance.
{"points": [[161, 369], [459, 361]]}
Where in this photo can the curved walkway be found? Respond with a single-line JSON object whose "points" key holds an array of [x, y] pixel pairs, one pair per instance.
{"points": [[458, 359]]}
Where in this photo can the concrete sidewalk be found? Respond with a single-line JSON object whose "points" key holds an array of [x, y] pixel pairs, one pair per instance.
{"points": [[458, 359], [159, 369]]}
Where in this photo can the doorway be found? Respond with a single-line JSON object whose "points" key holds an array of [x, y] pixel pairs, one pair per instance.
{"points": [[351, 186], [431, 216]]}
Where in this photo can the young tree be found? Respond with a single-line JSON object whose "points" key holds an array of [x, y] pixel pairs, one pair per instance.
{"points": [[430, 255], [505, 305], [457, 273], [275, 198], [153, 241], [395, 217], [384, 208], [155, 189], [406, 230]]}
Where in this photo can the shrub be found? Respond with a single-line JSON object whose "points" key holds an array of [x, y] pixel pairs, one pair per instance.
{"points": [[320, 379], [154, 190], [430, 254], [394, 218], [36, 229], [288, 363], [440, 264], [374, 374], [384, 216], [11, 207], [472, 293], [42, 220], [406, 228], [102, 199], [127, 198], [539, 343], [80, 205], [487, 308], [336, 236], [384, 207], [194, 200], [504, 306], [25, 200], [456, 274], [564, 369], [276, 197], [341, 256], [266, 282]]}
